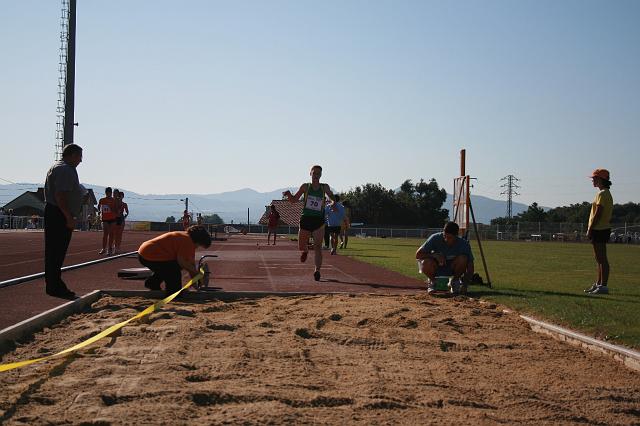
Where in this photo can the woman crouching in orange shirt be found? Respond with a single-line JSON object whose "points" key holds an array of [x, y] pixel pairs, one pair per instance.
{"points": [[168, 254]]}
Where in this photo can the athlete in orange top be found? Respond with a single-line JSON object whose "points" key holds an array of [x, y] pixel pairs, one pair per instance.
{"points": [[106, 210], [186, 220], [122, 211]]}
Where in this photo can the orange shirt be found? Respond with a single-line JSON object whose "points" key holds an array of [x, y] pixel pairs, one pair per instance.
{"points": [[169, 246], [107, 208]]}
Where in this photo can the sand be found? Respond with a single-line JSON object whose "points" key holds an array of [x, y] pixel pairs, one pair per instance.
{"points": [[335, 359]]}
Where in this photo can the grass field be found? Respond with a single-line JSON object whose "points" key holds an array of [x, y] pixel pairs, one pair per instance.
{"points": [[543, 279]]}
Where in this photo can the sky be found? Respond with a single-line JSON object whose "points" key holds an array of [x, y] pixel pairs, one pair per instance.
{"points": [[206, 96]]}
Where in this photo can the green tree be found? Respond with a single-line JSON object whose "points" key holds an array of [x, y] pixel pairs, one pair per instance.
{"points": [[429, 201], [533, 214], [171, 219], [413, 205], [212, 219]]}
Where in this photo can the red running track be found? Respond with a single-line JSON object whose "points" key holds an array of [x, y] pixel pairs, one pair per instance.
{"points": [[245, 263]]}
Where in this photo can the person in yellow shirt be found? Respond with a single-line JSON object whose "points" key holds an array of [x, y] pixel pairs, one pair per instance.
{"points": [[599, 229]]}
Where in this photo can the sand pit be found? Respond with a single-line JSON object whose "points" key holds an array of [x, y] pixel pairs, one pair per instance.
{"points": [[317, 359]]}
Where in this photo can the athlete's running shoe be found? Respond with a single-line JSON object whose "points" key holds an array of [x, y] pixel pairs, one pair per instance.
{"points": [[590, 289], [431, 286], [454, 286], [303, 256], [316, 275], [601, 289], [103, 251]]}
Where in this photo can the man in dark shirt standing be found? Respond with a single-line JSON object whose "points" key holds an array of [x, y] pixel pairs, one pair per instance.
{"points": [[61, 189]]}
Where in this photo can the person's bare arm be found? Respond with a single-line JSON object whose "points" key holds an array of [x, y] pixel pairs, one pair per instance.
{"points": [[189, 266], [328, 192], [293, 198], [421, 255], [61, 200], [126, 209]]}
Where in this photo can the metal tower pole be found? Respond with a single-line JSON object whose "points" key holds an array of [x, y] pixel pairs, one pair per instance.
{"points": [[510, 192], [70, 77]]}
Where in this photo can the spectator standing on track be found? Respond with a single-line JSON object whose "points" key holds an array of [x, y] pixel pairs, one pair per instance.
{"points": [[446, 254], [272, 227], [327, 235], [107, 212], [312, 221], [335, 218], [168, 254], [122, 211], [199, 219], [346, 224], [599, 229], [61, 187]]}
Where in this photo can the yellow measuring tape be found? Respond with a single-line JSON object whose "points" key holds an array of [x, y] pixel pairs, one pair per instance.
{"points": [[159, 304]]}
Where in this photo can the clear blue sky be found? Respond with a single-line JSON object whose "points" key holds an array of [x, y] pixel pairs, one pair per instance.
{"points": [[209, 96]]}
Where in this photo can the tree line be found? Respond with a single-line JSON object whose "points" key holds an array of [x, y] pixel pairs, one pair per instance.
{"points": [[413, 204], [573, 213]]}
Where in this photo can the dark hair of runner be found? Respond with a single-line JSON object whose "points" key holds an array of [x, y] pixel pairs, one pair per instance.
{"points": [[71, 149], [199, 235], [316, 167], [108, 189], [451, 228]]}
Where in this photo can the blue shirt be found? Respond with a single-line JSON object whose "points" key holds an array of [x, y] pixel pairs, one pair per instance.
{"points": [[437, 244], [335, 218]]}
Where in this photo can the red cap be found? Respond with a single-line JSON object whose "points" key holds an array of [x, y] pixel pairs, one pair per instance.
{"points": [[601, 173]]}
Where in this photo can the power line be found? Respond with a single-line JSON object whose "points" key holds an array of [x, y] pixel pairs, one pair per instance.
{"points": [[510, 186]]}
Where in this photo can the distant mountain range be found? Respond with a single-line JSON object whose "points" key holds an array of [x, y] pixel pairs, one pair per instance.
{"points": [[233, 205]]}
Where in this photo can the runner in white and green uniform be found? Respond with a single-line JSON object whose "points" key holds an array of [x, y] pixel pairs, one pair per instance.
{"points": [[312, 219]]}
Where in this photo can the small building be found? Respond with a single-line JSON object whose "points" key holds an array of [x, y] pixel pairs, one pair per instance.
{"points": [[28, 204], [32, 204], [289, 213]]}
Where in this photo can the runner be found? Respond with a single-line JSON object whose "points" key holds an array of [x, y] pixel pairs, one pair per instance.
{"points": [[122, 211], [274, 218], [312, 219], [346, 224], [108, 215], [186, 220]]}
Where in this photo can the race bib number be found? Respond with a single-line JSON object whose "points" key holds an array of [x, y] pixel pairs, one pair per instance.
{"points": [[106, 209], [314, 203]]}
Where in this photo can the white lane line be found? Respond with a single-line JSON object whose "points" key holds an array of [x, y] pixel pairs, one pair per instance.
{"points": [[264, 263], [41, 259], [345, 274]]}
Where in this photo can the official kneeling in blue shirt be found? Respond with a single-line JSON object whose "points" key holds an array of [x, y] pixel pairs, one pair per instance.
{"points": [[446, 254]]}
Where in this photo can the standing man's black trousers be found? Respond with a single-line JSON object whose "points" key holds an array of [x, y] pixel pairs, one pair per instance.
{"points": [[56, 242]]}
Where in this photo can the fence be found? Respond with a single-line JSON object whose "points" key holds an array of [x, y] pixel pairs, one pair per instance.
{"points": [[561, 232], [21, 222], [521, 231]]}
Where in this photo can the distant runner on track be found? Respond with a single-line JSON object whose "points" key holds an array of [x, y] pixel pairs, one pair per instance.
{"points": [[312, 220], [107, 212], [186, 220]]}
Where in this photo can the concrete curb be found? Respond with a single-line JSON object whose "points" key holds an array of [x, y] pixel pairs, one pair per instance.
{"points": [[11, 334], [628, 357]]}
